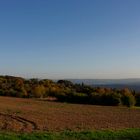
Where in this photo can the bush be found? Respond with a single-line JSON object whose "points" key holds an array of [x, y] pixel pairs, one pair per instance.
{"points": [[61, 97], [2, 93], [95, 98], [77, 98], [38, 91], [113, 99], [127, 98], [137, 97], [72, 97]]}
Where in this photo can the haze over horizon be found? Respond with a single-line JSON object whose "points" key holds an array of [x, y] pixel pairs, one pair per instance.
{"points": [[77, 39]]}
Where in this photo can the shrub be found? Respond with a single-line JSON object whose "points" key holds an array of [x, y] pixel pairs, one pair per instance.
{"points": [[38, 91], [113, 99], [95, 98], [127, 98], [75, 97], [137, 97], [72, 97], [105, 99], [2, 93], [61, 97]]}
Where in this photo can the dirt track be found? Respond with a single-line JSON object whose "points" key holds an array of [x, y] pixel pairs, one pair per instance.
{"points": [[11, 120], [27, 115]]}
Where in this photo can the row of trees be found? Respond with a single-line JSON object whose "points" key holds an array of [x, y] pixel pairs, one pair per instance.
{"points": [[66, 91]]}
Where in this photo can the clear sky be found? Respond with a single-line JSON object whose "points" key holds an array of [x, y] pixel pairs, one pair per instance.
{"points": [[70, 38]]}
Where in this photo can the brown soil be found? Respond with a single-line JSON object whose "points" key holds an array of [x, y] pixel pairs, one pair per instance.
{"points": [[27, 115]]}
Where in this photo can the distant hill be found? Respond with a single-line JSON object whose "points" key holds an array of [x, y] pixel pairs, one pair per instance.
{"points": [[105, 81], [133, 84]]}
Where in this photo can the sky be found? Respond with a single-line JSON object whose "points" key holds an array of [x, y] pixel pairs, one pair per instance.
{"points": [[78, 39]]}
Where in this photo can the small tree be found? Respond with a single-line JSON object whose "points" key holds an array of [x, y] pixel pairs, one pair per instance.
{"points": [[39, 91], [127, 98]]}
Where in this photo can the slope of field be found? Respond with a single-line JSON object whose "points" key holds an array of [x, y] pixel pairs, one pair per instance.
{"points": [[27, 115]]}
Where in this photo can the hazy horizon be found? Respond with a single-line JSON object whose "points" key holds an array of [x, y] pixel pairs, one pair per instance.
{"points": [[61, 78], [76, 39]]}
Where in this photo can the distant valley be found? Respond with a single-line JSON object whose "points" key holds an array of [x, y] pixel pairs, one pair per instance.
{"points": [[133, 84]]}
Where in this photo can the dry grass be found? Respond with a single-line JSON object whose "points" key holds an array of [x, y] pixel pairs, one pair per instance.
{"points": [[35, 115]]}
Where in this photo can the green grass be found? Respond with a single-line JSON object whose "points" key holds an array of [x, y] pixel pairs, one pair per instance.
{"points": [[128, 134]]}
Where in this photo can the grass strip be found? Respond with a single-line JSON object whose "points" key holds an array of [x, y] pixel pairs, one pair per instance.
{"points": [[126, 134]]}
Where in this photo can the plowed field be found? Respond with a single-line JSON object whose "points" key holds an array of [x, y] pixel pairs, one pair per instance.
{"points": [[27, 115]]}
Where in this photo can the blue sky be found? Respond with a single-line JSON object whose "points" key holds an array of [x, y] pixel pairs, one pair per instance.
{"points": [[70, 38]]}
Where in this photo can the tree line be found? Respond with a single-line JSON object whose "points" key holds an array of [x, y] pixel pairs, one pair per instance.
{"points": [[66, 91]]}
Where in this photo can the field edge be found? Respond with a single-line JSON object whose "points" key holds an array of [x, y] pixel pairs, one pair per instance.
{"points": [[129, 134]]}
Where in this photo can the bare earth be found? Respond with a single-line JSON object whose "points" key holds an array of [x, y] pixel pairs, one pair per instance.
{"points": [[27, 115]]}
